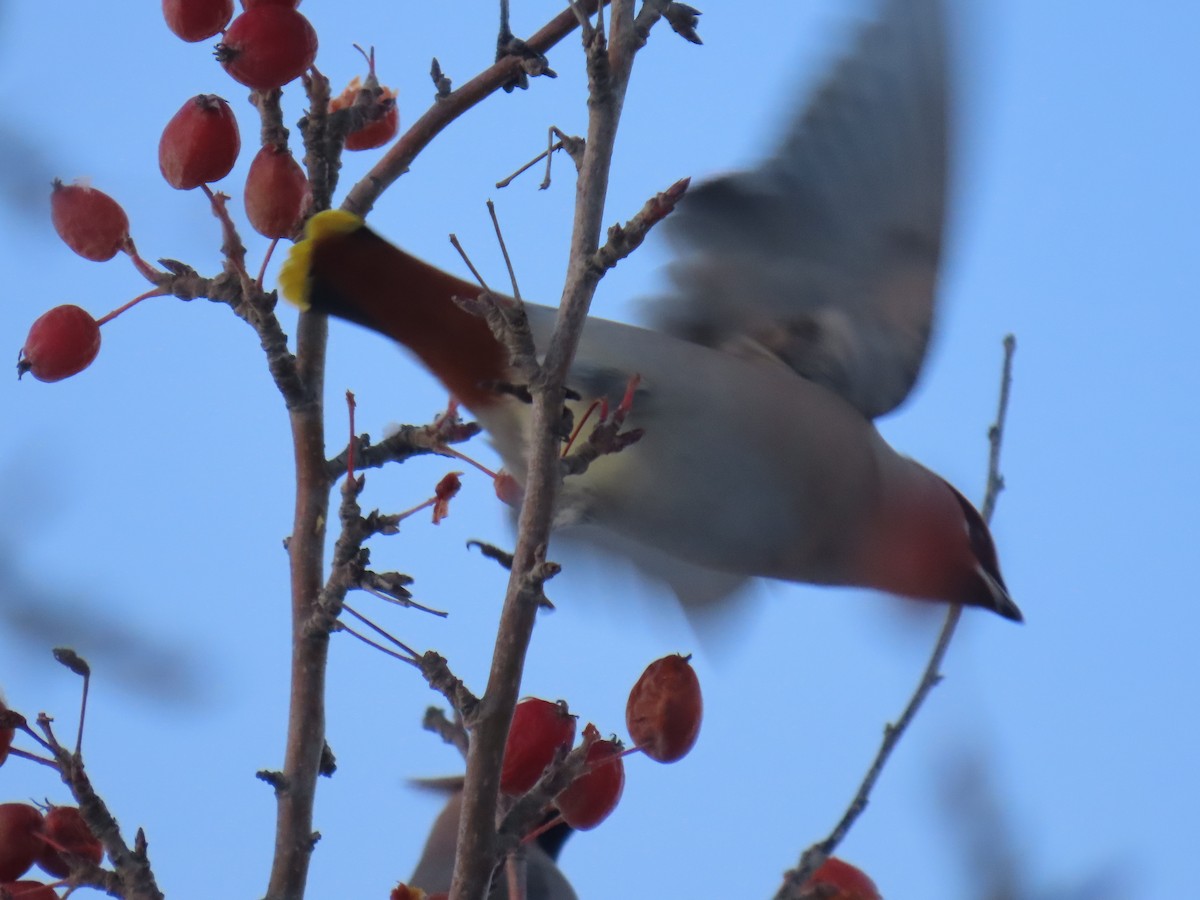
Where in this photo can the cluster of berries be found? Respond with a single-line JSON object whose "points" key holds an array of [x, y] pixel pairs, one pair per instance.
{"points": [[30, 836], [268, 45], [663, 718], [662, 714]]}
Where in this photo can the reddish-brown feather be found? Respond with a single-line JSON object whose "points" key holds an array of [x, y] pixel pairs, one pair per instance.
{"points": [[361, 277]]}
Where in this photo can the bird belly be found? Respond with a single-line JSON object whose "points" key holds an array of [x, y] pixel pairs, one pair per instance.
{"points": [[743, 468]]}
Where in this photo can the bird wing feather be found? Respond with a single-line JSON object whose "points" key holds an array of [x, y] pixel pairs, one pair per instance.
{"points": [[825, 256]]}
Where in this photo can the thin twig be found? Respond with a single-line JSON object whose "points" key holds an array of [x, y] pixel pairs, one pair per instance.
{"points": [[133, 878], [512, 274], [505, 182], [995, 482], [470, 265], [404, 443], [452, 732], [381, 632], [387, 651], [812, 858], [478, 843]]}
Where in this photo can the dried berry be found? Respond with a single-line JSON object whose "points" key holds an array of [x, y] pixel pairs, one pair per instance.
{"points": [[379, 130], [664, 709], [838, 880], [89, 221], [276, 193], [588, 800], [539, 728], [19, 841], [61, 343], [381, 115], [197, 20], [267, 46], [66, 832], [447, 489], [200, 144]]}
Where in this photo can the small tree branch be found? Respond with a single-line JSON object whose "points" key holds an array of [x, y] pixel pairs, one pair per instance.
{"points": [[478, 843], [811, 859], [448, 107], [294, 837], [132, 877]]}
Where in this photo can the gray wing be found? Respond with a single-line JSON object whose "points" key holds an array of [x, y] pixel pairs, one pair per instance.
{"points": [[825, 257]]}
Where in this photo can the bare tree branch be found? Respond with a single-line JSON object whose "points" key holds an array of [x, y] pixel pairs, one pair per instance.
{"points": [[811, 859], [608, 68]]}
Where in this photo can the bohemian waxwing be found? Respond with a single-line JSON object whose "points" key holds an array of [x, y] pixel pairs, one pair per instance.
{"points": [[802, 305], [543, 879]]}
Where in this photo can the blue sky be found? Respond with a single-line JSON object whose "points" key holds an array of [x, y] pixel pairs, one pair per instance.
{"points": [[148, 496]]}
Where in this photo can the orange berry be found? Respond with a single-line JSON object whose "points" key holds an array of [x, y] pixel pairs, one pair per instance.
{"points": [[376, 132]]}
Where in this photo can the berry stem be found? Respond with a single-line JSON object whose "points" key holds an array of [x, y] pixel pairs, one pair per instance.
{"points": [[578, 428], [416, 509], [542, 829], [232, 246], [155, 292], [266, 259], [151, 274], [450, 451]]}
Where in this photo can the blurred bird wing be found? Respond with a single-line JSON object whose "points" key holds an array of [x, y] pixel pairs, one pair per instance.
{"points": [[825, 257]]}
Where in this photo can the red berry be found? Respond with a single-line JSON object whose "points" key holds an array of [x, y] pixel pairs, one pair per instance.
{"points": [[664, 709], [379, 130], [200, 144], [539, 728], [61, 343], [276, 193], [447, 489], [19, 841], [250, 4], [27, 890], [842, 879], [197, 20], [66, 832], [588, 800], [91, 223], [267, 46]]}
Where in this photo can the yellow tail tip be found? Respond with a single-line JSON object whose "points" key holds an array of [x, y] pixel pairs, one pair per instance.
{"points": [[295, 271]]}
